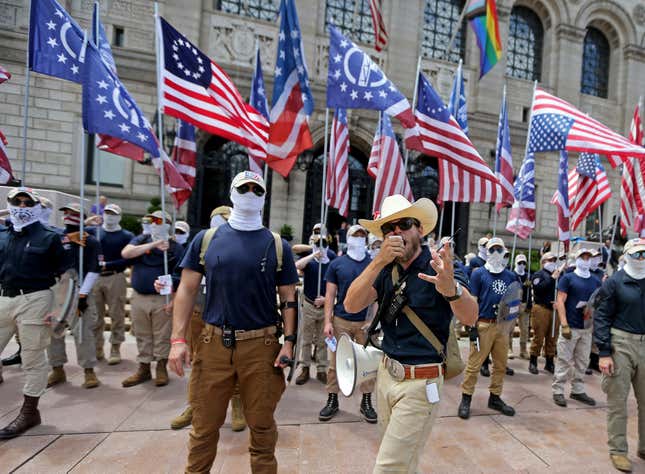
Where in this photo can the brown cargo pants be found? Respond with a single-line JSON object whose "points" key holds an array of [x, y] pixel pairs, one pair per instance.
{"points": [[542, 323]]}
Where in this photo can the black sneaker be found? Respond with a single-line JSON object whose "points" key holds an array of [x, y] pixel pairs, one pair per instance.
{"points": [[496, 403], [549, 366], [368, 412], [13, 359], [559, 400], [485, 371], [509, 371], [583, 398], [330, 409], [464, 407], [533, 365]]}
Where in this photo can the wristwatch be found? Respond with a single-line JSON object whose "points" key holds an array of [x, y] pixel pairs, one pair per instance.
{"points": [[457, 295], [290, 338]]}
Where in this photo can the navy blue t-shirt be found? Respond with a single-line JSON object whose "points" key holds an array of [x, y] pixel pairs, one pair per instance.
{"points": [[474, 263], [489, 288], [238, 293], [147, 267], [310, 277], [111, 244], [342, 272], [578, 291]]}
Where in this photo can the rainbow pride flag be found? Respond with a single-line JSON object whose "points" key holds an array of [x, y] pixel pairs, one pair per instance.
{"points": [[482, 16]]}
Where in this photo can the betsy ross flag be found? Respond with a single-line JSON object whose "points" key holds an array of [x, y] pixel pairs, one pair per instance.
{"points": [[293, 101], [6, 174], [504, 159], [386, 165], [557, 125], [337, 164], [521, 217], [258, 100], [464, 175], [561, 201], [380, 35], [588, 187], [184, 156], [4, 75], [632, 188], [198, 91]]}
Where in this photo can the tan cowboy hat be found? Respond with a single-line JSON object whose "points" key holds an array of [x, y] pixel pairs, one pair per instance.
{"points": [[397, 207]]}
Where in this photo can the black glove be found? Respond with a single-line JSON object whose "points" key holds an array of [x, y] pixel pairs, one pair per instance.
{"points": [[473, 333], [82, 304]]}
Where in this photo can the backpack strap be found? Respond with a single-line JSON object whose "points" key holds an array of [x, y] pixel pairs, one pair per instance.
{"points": [[278, 250], [206, 241]]}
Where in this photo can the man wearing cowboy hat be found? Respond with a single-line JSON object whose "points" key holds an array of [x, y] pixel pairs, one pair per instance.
{"points": [[408, 398]]}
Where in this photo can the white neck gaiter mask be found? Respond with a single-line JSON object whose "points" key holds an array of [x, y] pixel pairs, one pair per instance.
{"points": [[495, 262], [146, 229], [594, 262], [550, 266], [356, 248], [111, 222], [634, 268], [217, 220], [323, 251], [582, 268], [374, 252], [159, 231], [520, 269], [45, 214], [181, 238], [21, 217], [483, 254], [247, 211]]}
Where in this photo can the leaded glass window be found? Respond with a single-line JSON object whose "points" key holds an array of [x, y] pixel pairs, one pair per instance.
{"points": [[595, 64], [352, 18], [260, 9], [525, 41], [440, 19]]}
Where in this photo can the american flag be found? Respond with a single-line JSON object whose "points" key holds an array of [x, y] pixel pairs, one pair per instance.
{"points": [[337, 164], [503, 158], [380, 35], [521, 217], [6, 174], [184, 155], [464, 175], [557, 125], [198, 91], [588, 187], [293, 101], [258, 99], [561, 200], [386, 161], [4, 75], [632, 188]]}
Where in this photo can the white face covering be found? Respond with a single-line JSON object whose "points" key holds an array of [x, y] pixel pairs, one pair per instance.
{"points": [[582, 268], [356, 248], [159, 231], [374, 252], [550, 266], [594, 262], [520, 269], [181, 238], [21, 217], [247, 211], [45, 214], [217, 220], [495, 262], [146, 228], [111, 222], [323, 251], [634, 268], [483, 253]]}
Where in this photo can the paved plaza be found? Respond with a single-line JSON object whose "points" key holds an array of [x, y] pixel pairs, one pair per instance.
{"points": [[112, 430]]}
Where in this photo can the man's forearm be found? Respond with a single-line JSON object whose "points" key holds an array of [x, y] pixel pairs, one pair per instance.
{"points": [[465, 309], [135, 251], [562, 313], [184, 302]]}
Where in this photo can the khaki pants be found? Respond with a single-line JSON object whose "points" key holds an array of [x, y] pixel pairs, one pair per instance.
{"points": [[542, 324], [405, 421], [353, 329], [85, 346], [26, 313], [215, 372], [110, 290], [572, 361], [628, 352], [154, 326], [493, 340], [523, 322], [313, 321]]}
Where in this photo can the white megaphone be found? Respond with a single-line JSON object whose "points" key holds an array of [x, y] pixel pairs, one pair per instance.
{"points": [[355, 364]]}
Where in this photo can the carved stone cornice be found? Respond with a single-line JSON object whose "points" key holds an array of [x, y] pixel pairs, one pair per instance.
{"points": [[569, 33], [634, 52]]}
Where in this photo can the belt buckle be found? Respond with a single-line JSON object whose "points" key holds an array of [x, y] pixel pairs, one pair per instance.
{"points": [[395, 369]]}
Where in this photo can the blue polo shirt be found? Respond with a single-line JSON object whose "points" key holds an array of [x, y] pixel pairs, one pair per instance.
{"points": [[238, 292], [149, 266], [310, 277], [342, 272], [578, 291], [489, 288]]}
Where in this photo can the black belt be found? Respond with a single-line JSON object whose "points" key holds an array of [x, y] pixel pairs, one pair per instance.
{"points": [[110, 273], [13, 292], [310, 301]]}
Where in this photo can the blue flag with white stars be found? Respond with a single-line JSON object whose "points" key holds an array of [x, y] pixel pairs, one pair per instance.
{"points": [[457, 105], [56, 42], [549, 132], [109, 109], [587, 164], [525, 181], [258, 98], [100, 39]]}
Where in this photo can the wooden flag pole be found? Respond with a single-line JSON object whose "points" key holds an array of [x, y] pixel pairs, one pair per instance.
{"points": [[406, 152], [323, 200]]}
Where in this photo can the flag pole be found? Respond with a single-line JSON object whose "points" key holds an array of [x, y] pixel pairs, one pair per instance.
{"points": [[496, 210], [458, 99], [494, 220], [555, 290], [323, 200], [528, 258], [414, 105], [451, 43], [611, 242], [443, 208], [25, 120], [82, 225], [160, 133], [97, 155]]}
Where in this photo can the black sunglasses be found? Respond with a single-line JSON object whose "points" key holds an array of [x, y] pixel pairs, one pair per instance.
{"points": [[246, 187], [638, 255], [403, 224], [18, 200]]}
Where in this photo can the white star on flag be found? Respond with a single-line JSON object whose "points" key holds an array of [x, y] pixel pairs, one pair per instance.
{"points": [[52, 42], [124, 128], [101, 99], [51, 25], [62, 58], [102, 84], [108, 114]]}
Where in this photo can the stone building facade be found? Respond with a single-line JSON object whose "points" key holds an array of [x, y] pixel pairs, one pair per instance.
{"points": [[591, 53]]}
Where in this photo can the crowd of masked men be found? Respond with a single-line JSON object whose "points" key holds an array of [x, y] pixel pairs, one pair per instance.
{"points": [[210, 301]]}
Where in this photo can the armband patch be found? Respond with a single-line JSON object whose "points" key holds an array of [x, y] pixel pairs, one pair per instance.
{"points": [[288, 304]]}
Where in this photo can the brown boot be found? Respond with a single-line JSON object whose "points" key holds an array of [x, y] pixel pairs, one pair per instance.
{"points": [[142, 375], [91, 380], [303, 378], [28, 417], [322, 377], [621, 462], [56, 376], [238, 423], [161, 375], [100, 354], [115, 355], [183, 420]]}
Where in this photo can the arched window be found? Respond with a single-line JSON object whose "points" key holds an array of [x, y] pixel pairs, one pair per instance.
{"points": [[525, 38], [259, 9], [595, 64], [352, 18], [440, 18]]}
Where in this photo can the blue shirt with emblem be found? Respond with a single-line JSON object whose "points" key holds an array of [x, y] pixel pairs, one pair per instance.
{"points": [[342, 272], [578, 291], [489, 288], [238, 292], [147, 267]]}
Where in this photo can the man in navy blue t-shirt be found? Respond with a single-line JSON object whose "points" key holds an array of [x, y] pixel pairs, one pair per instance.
{"points": [[574, 344], [340, 275], [244, 267]]}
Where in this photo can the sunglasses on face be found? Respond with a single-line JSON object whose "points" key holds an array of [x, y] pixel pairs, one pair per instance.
{"points": [[522, 263], [17, 201], [638, 255], [496, 250], [403, 224], [316, 231], [156, 220], [246, 187]]}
